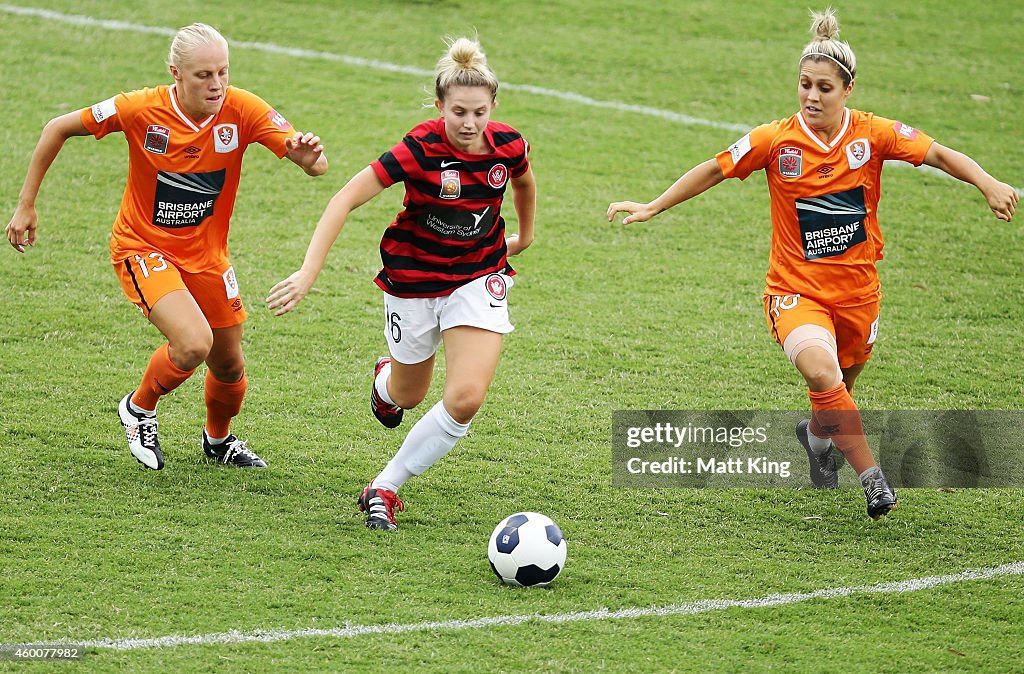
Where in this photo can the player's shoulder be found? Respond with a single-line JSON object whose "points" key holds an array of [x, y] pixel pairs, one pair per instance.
{"points": [[505, 138], [428, 132], [147, 97]]}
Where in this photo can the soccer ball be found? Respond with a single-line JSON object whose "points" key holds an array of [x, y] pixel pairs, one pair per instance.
{"points": [[527, 549]]}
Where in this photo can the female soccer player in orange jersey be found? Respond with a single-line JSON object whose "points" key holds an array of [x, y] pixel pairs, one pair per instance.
{"points": [[822, 294], [446, 272], [169, 243]]}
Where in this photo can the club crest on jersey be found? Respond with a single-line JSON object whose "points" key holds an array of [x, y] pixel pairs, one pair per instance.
{"points": [[496, 286], [451, 185], [791, 162], [858, 153], [225, 138], [157, 139], [497, 176]]}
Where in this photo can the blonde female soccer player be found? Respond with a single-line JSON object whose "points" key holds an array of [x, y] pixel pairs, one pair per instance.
{"points": [[169, 244], [446, 275], [822, 298]]}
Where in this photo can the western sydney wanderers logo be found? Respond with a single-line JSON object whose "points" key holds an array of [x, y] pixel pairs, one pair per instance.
{"points": [[157, 139], [858, 153], [496, 286], [497, 176], [451, 185], [791, 162], [225, 138]]}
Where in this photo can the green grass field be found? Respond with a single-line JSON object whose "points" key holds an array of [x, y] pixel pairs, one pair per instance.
{"points": [[663, 315]]}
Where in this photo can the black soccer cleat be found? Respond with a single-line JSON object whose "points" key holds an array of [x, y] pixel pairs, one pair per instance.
{"points": [[881, 497], [387, 414], [232, 452], [379, 506], [824, 467], [140, 431]]}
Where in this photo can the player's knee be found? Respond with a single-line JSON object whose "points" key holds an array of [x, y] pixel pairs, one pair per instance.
{"points": [[188, 351], [821, 376], [464, 402], [812, 349], [407, 398], [229, 372]]}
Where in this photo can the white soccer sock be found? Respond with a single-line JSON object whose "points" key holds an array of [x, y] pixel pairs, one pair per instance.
{"points": [[870, 472], [428, 441], [817, 445], [138, 410], [381, 384]]}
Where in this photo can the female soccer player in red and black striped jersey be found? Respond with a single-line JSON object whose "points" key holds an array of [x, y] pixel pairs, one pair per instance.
{"points": [[446, 275]]}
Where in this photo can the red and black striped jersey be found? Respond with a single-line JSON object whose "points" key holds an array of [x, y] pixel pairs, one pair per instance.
{"points": [[450, 230]]}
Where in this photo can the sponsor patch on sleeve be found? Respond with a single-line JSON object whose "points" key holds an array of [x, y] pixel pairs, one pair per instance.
{"points": [[739, 148], [104, 110], [278, 120], [908, 132]]}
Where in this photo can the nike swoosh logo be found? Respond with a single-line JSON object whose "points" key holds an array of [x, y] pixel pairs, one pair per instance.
{"points": [[477, 218], [446, 164], [497, 306]]}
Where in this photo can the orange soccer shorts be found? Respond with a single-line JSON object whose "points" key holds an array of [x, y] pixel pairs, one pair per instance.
{"points": [[854, 324], [146, 277]]}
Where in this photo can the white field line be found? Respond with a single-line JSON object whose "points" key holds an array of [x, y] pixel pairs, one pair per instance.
{"points": [[693, 608], [373, 64]]}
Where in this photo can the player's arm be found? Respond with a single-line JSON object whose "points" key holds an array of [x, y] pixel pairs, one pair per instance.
{"points": [[697, 180], [365, 185], [307, 152], [21, 230], [524, 198], [1001, 198]]}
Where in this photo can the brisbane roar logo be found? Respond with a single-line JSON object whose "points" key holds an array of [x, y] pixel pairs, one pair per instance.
{"points": [[496, 287], [225, 138], [858, 153], [497, 176]]}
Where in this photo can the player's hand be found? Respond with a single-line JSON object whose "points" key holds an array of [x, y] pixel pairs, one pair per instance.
{"points": [[287, 294], [516, 244], [1002, 199], [21, 230], [637, 212], [304, 149]]}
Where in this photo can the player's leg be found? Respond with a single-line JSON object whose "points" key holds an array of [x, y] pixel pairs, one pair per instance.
{"points": [[856, 330], [401, 380], [217, 293], [156, 287], [794, 321]]}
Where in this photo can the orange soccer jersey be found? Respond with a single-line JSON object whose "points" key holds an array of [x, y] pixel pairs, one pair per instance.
{"points": [[824, 196], [182, 173]]}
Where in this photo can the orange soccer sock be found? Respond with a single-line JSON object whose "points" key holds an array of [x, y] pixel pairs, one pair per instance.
{"points": [[162, 376], [223, 403], [835, 415]]}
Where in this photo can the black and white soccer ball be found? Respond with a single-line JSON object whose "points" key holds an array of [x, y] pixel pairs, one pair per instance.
{"points": [[527, 549]]}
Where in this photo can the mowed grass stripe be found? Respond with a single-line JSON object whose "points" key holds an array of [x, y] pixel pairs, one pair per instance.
{"points": [[691, 608], [374, 64]]}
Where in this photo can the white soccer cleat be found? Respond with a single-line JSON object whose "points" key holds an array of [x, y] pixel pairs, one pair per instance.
{"points": [[140, 430]]}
